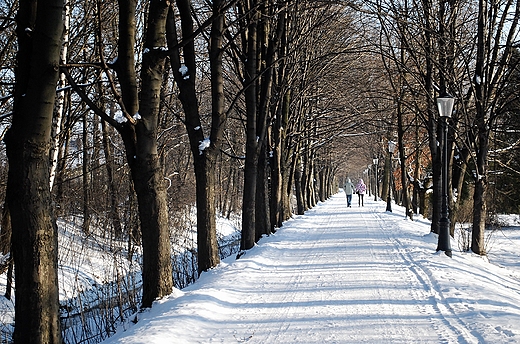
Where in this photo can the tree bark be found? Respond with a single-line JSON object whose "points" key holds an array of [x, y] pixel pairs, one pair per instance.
{"points": [[266, 51], [114, 213], [479, 202], [139, 134], [61, 101], [263, 216], [479, 216], [402, 160], [252, 140], [204, 157], [147, 173], [34, 231], [298, 189], [85, 175], [494, 51], [5, 248], [278, 129]]}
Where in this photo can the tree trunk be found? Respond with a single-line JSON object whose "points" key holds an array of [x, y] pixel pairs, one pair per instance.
{"points": [[34, 231], [460, 166], [61, 102], [479, 218], [276, 175], [387, 180], [298, 189], [306, 170], [479, 201], [85, 176], [5, 233], [496, 34], [139, 134], [262, 214], [321, 181], [252, 140], [5, 248], [279, 126], [204, 156], [280, 171], [437, 182], [60, 173], [286, 209], [417, 184], [114, 213], [150, 188], [207, 246], [147, 173], [266, 50], [310, 184], [434, 132], [403, 158]]}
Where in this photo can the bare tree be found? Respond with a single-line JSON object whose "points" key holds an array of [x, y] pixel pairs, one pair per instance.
{"points": [[204, 150], [34, 239], [138, 128], [497, 30]]}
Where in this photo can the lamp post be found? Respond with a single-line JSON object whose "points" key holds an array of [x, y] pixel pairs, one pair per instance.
{"points": [[445, 105], [391, 148], [375, 161], [369, 186]]}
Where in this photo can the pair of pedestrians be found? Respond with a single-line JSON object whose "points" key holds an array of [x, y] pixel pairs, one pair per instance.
{"points": [[360, 189]]}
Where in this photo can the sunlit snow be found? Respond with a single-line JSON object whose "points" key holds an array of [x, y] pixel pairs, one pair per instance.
{"points": [[119, 117], [346, 275], [204, 144]]}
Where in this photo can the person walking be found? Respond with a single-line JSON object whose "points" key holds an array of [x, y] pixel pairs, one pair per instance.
{"points": [[349, 190], [361, 188]]}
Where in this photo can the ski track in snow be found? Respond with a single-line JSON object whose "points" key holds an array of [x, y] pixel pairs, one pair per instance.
{"points": [[432, 302], [336, 275]]}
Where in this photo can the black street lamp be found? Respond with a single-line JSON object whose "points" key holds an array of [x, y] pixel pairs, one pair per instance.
{"points": [[375, 161], [445, 105], [369, 167], [391, 149]]}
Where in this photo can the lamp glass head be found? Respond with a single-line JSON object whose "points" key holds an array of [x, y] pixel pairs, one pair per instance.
{"points": [[391, 147], [445, 105]]}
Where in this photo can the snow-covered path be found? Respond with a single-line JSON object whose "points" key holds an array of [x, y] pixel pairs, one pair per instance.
{"points": [[341, 275]]}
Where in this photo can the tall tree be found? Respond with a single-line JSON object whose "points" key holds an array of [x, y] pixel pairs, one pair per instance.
{"points": [[497, 30], [138, 125], [140, 137], [204, 150], [251, 12], [34, 231]]}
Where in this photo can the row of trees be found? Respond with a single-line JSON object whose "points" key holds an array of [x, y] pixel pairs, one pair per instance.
{"points": [[467, 50], [240, 83], [128, 113]]}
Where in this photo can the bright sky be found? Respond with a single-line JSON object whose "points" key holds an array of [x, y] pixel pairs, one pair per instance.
{"points": [[346, 275]]}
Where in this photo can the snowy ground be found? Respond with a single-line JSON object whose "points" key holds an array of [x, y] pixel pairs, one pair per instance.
{"points": [[346, 275]]}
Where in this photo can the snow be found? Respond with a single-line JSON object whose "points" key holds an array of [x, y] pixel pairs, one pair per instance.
{"points": [[204, 144], [346, 275], [119, 117]]}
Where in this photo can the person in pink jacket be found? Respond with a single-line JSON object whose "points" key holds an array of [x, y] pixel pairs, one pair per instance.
{"points": [[361, 189]]}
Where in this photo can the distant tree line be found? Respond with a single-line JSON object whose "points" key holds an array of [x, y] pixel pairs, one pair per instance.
{"points": [[467, 50]]}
